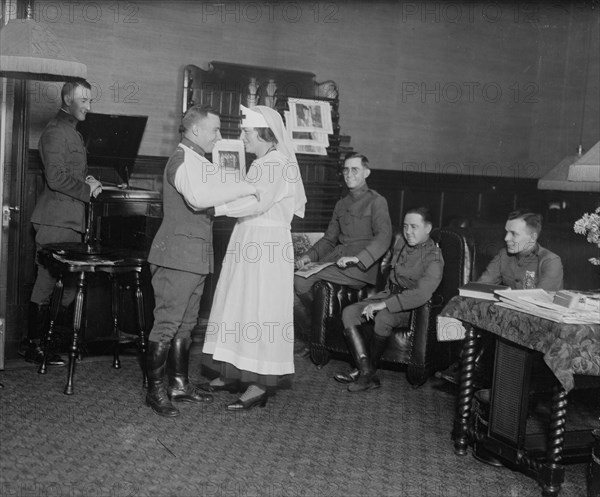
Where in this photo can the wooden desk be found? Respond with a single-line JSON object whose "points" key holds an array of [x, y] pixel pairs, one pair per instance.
{"points": [[567, 349], [63, 258]]}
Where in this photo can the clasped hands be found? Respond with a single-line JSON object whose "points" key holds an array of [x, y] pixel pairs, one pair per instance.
{"points": [[95, 186]]}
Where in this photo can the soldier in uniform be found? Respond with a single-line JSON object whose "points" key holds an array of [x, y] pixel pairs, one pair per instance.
{"points": [[182, 255], [59, 214], [358, 235], [416, 271]]}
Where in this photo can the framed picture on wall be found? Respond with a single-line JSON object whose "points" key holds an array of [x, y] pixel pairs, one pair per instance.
{"points": [[310, 115], [229, 155], [310, 137]]}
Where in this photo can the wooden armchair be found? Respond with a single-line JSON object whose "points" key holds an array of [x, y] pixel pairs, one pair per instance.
{"points": [[415, 346]]}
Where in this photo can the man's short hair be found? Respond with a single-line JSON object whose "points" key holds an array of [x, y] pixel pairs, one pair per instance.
{"points": [[533, 220], [424, 212], [69, 87], [363, 159], [194, 114]]}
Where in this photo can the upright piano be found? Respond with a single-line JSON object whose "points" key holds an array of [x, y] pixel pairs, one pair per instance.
{"points": [[122, 215]]}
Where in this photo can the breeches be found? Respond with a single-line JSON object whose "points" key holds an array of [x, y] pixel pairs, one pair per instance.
{"points": [[303, 286], [44, 281], [177, 295], [385, 321]]}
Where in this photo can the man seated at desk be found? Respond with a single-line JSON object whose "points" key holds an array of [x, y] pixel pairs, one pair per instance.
{"points": [[522, 264]]}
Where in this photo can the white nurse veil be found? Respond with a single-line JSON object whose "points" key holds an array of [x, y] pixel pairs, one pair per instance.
{"points": [[285, 146]]}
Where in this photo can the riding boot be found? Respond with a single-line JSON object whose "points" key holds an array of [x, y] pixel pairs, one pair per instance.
{"points": [[482, 373], [38, 324], [180, 389], [347, 377], [378, 345], [157, 397], [302, 328], [356, 344], [369, 382]]}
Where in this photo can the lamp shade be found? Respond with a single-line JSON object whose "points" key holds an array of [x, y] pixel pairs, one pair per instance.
{"points": [[587, 167], [574, 173], [29, 50]]}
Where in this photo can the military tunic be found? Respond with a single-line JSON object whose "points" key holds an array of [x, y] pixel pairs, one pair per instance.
{"points": [[543, 268]]}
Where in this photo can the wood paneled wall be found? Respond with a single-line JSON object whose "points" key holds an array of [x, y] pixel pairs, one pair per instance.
{"points": [[460, 88]]}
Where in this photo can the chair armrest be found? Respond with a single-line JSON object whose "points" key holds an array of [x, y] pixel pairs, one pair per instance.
{"points": [[420, 331]]}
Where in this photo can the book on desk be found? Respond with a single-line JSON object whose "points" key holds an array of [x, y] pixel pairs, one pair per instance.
{"points": [[477, 290]]}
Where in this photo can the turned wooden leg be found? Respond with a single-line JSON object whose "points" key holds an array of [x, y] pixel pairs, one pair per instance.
{"points": [[77, 318], [552, 473], [115, 294], [465, 395], [48, 336], [139, 306]]}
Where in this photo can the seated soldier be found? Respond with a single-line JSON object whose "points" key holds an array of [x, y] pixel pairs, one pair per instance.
{"points": [[522, 264], [416, 270], [358, 235]]}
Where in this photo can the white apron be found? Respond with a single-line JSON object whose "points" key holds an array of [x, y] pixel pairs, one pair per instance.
{"points": [[251, 320]]}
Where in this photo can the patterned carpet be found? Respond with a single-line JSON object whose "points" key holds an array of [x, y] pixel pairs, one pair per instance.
{"points": [[315, 440]]}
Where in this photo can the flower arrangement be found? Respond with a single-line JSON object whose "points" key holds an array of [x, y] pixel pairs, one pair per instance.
{"points": [[589, 225]]}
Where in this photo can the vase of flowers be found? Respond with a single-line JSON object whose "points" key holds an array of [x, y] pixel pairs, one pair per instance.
{"points": [[589, 225]]}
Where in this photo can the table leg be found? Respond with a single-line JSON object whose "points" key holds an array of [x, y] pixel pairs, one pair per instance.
{"points": [[139, 301], [115, 316], [552, 473], [77, 318], [54, 308], [466, 392]]}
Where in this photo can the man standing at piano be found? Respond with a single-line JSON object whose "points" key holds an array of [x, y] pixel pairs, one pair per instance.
{"points": [[59, 214], [181, 256]]}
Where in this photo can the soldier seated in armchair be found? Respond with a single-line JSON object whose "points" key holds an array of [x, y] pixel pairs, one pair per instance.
{"points": [[416, 270], [358, 235]]}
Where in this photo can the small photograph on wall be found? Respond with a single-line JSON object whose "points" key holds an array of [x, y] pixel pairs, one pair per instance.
{"points": [[307, 142], [230, 157], [310, 115], [310, 137]]}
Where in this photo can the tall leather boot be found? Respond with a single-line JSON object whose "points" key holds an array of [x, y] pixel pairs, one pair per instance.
{"points": [[38, 323], [180, 388], [378, 346], [302, 328], [482, 372], [371, 381], [156, 365], [366, 379], [347, 377]]}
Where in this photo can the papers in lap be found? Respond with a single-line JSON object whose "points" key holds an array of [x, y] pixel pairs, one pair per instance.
{"points": [[312, 268]]}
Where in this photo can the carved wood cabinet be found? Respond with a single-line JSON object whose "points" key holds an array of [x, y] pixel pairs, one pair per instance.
{"points": [[224, 86]]}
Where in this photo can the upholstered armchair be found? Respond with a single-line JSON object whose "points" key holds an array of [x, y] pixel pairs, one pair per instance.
{"points": [[415, 346]]}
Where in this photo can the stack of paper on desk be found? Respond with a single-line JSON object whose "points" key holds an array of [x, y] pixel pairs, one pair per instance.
{"points": [[540, 303], [478, 290]]}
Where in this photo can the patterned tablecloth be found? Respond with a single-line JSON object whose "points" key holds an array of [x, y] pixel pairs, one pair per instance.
{"points": [[568, 349]]}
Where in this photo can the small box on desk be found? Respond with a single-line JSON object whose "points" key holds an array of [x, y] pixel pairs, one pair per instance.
{"points": [[581, 301], [566, 299]]}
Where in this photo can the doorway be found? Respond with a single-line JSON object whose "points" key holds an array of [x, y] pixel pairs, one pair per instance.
{"points": [[16, 244]]}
